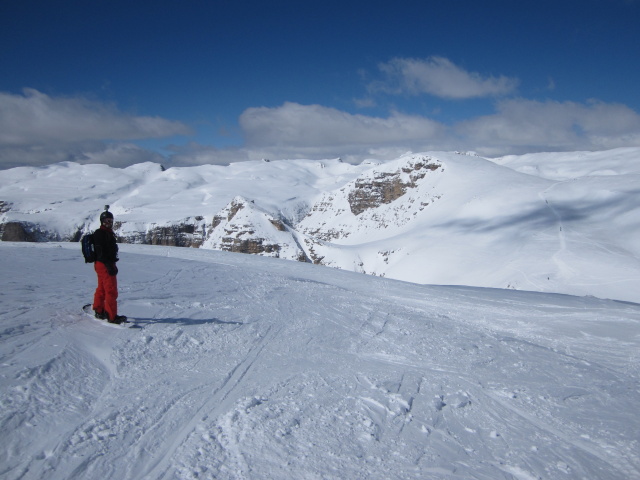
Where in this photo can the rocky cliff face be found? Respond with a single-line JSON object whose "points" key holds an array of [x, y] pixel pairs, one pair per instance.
{"points": [[188, 232], [33, 232], [244, 227], [384, 187], [389, 195], [20, 232], [241, 227], [376, 205]]}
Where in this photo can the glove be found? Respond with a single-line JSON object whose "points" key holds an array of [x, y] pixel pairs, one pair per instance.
{"points": [[112, 269]]}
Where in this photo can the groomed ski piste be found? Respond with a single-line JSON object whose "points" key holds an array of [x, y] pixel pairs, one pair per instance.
{"points": [[255, 368]]}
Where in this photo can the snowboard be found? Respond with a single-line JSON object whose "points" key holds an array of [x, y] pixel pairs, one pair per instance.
{"points": [[130, 323]]}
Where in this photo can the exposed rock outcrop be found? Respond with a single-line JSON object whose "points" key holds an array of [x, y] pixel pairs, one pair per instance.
{"points": [[30, 232], [386, 187], [246, 228], [403, 188], [189, 232], [18, 232]]}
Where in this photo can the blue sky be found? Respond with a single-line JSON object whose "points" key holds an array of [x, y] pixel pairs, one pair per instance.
{"points": [[196, 82]]}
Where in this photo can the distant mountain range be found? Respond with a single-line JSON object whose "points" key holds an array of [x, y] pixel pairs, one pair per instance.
{"points": [[554, 222]]}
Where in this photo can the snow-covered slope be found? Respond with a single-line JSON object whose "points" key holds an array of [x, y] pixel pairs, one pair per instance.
{"points": [[250, 367], [466, 220], [561, 222], [571, 165], [60, 198]]}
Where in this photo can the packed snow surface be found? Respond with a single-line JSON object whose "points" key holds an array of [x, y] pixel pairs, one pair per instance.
{"points": [[246, 367]]}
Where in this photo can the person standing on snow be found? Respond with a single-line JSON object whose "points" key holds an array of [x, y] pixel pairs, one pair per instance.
{"points": [[105, 299]]}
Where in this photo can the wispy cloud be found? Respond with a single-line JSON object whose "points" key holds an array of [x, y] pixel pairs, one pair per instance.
{"points": [[517, 126], [528, 125], [295, 125], [36, 128], [36, 118], [440, 77]]}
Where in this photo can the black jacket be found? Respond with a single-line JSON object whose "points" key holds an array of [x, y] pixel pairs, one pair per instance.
{"points": [[105, 245]]}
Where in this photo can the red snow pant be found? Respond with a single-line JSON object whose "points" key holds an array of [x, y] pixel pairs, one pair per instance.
{"points": [[106, 297]]}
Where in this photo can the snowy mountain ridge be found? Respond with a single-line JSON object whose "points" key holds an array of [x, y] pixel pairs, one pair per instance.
{"points": [[561, 222]]}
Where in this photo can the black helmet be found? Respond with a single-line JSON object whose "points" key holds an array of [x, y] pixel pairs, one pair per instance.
{"points": [[106, 214]]}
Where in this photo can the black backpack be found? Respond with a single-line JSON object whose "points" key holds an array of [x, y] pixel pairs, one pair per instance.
{"points": [[88, 249]]}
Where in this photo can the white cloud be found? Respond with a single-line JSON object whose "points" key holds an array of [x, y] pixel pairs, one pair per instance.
{"points": [[120, 155], [114, 154], [527, 125], [298, 125], [366, 102], [36, 118], [196, 154], [37, 129], [518, 126], [293, 130], [440, 77]]}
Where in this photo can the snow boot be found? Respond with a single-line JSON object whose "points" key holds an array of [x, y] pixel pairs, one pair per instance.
{"points": [[118, 319]]}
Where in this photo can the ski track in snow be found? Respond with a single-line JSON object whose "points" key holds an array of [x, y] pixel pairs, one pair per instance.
{"points": [[563, 268], [251, 368]]}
